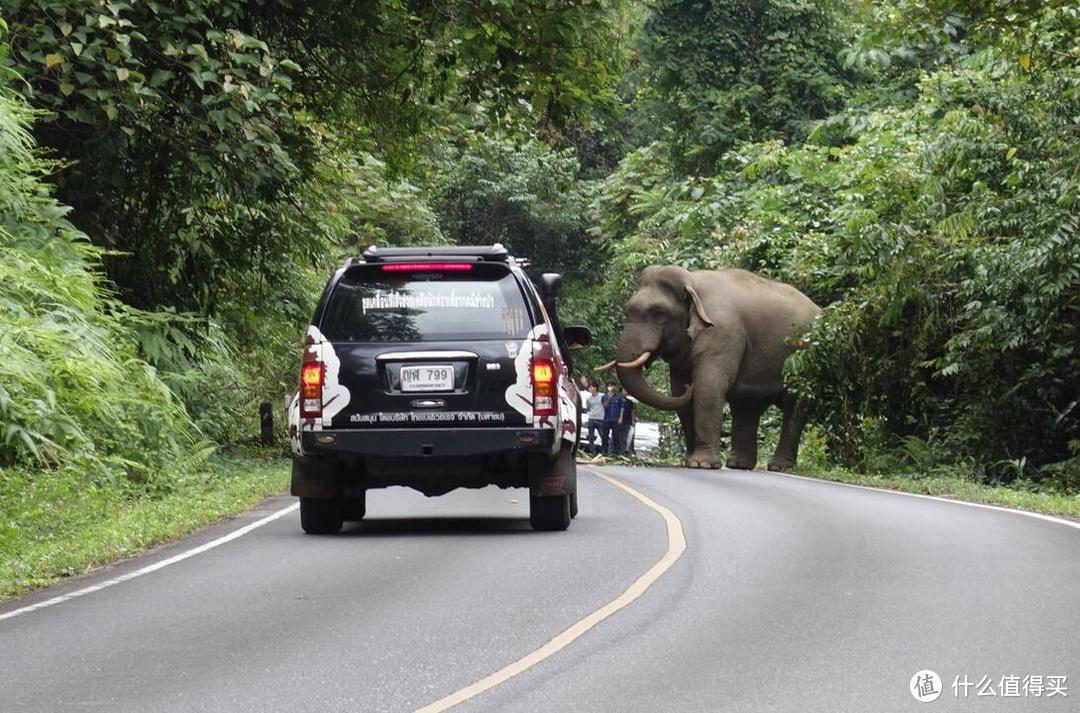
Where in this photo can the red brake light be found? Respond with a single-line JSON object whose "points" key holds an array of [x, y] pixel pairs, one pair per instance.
{"points": [[543, 372], [427, 266], [312, 374], [543, 378]]}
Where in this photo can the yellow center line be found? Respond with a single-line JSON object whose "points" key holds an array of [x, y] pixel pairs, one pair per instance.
{"points": [[676, 547]]}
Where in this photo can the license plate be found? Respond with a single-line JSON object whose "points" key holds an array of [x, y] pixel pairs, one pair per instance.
{"points": [[429, 377]]}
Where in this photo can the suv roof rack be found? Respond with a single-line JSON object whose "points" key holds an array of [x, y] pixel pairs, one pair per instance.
{"points": [[475, 253]]}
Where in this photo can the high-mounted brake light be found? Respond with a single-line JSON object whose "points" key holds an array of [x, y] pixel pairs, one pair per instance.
{"points": [[427, 266], [312, 375], [543, 379]]}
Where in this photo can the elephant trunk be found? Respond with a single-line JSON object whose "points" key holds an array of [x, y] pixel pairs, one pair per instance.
{"points": [[634, 381]]}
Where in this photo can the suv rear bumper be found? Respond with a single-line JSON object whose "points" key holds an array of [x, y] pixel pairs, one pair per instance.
{"points": [[428, 442]]}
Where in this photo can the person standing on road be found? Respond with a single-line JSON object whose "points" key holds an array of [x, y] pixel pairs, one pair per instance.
{"points": [[609, 436], [594, 408], [627, 419]]}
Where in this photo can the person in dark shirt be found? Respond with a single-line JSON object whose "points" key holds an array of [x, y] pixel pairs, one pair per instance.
{"points": [[627, 419], [609, 434]]}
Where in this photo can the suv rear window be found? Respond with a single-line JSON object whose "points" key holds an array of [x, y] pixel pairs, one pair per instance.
{"points": [[372, 305]]}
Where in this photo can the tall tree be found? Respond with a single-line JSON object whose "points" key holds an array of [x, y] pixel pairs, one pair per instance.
{"points": [[188, 129], [724, 71]]}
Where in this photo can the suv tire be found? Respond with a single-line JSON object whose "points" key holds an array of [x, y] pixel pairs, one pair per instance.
{"points": [[320, 516], [353, 509], [550, 512]]}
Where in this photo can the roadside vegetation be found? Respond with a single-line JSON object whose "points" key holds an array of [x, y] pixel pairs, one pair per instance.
{"points": [[177, 180]]}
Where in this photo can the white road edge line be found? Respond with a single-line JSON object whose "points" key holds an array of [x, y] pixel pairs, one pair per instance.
{"points": [[153, 567], [676, 547], [940, 499]]}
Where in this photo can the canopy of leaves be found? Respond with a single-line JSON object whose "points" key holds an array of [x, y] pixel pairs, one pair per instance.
{"points": [[736, 70], [224, 115], [524, 195]]}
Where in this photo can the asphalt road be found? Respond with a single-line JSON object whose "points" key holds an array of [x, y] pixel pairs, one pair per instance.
{"points": [[791, 595]]}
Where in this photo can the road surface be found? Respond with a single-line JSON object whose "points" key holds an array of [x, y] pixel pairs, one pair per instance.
{"points": [[791, 595]]}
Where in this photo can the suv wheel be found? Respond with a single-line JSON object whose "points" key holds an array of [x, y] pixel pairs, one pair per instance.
{"points": [[354, 508], [320, 516], [550, 512]]}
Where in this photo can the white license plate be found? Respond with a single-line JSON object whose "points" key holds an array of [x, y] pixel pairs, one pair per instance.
{"points": [[429, 377]]}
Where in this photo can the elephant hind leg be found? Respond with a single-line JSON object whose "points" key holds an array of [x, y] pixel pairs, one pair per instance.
{"points": [[787, 450], [745, 418]]}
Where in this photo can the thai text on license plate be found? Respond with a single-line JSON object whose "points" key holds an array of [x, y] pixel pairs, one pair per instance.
{"points": [[429, 377]]}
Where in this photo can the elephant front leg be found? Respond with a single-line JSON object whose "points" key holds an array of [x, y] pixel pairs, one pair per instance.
{"points": [[708, 417], [745, 418], [787, 450]]}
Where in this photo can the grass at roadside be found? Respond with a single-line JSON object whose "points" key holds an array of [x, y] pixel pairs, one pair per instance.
{"points": [[959, 488], [53, 524], [891, 473]]}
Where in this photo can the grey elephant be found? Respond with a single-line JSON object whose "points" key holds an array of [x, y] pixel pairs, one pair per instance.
{"points": [[725, 335]]}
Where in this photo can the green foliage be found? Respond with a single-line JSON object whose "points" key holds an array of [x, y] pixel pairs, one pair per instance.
{"points": [[193, 107], [383, 210], [72, 388], [726, 71], [394, 64], [522, 194]]}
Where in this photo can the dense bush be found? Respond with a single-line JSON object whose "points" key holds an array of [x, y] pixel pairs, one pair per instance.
{"points": [[73, 389], [738, 70]]}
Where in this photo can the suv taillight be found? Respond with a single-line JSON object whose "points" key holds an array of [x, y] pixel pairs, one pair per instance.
{"points": [[543, 380], [312, 374]]}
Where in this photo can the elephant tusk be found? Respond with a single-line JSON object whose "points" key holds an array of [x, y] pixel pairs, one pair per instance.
{"points": [[640, 361], [605, 367]]}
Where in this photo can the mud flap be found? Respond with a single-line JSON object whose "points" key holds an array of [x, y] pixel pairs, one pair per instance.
{"points": [[314, 478], [558, 477]]}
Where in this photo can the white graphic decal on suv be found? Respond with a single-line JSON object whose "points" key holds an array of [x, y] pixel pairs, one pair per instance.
{"points": [[335, 396], [294, 424], [519, 394], [567, 396]]}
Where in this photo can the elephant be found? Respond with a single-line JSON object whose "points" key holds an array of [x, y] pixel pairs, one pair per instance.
{"points": [[725, 335]]}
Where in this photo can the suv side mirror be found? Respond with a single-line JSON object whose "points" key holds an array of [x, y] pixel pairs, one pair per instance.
{"points": [[578, 337], [549, 286]]}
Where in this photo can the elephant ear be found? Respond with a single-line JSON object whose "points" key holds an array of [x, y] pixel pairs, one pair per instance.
{"points": [[696, 326], [698, 308]]}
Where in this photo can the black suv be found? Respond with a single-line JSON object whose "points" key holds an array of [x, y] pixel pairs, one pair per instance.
{"points": [[435, 368]]}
